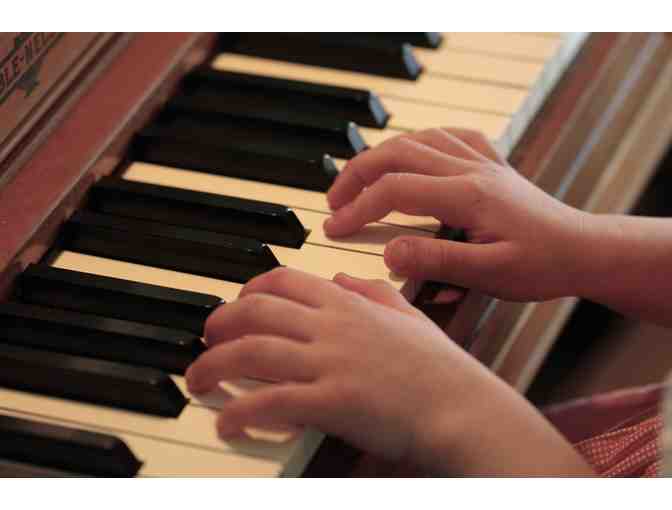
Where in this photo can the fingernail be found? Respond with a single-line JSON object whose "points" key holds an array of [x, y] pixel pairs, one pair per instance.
{"points": [[397, 258], [328, 223]]}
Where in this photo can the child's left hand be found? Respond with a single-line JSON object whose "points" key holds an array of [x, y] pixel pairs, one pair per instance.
{"points": [[351, 357]]}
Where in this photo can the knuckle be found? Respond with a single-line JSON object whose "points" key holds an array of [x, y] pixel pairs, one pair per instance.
{"points": [[476, 187], [279, 278], [403, 148], [352, 298], [471, 135], [245, 351], [254, 305], [349, 396], [445, 256], [396, 141], [436, 133], [282, 398], [390, 185]]}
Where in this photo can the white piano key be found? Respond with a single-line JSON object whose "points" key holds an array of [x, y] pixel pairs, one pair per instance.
{"points": [[371, 239], [101, 266], [292, 197], [194, 427], [426, 89], [165, 458], [477, 67], [413, 116], [507, 44], [327, 262], [550, 35]]}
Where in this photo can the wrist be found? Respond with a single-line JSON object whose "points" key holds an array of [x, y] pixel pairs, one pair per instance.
{"points": [[497, 433], [452, 439], [588, 249], [603, 255]]}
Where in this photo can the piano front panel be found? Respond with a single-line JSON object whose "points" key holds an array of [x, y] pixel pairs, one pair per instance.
{"points": [[487, 100]]}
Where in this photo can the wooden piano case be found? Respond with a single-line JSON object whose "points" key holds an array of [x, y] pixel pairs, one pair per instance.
{"points": [[594, 143]]}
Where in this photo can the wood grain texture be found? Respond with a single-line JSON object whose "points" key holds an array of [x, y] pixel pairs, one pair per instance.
{"points": [[60, 76], [90, 142]]}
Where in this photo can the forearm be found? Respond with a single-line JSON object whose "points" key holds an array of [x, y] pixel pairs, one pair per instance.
{"points": [[626, 264], [505, 436]]}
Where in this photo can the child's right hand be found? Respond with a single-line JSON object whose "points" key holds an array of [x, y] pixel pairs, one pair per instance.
{"points": [[523, 243]]}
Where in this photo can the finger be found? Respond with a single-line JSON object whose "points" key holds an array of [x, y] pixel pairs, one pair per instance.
{"points": [[265, 357], [400, 154], [377, 291], [272, 406], [446, 143], [260, 314], [463, 264], [447, 199], [294, 285], [477, 141]]}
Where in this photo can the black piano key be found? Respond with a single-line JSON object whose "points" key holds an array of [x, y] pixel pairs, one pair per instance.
{"points": [[421, 39], [210, 118], [64, 448], [273, 133], [13, 469], [90, 380], [182, 249], [327, 50], [269, 223], [116, 298], [151, 146], [99, 337], [307, 102]]}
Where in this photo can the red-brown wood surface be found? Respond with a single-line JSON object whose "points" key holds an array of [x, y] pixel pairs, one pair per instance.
{"points": [[544, 131], [88, 143]]}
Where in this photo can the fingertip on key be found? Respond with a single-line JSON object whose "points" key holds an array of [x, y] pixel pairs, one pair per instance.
{"points": [[330, 226], [396, 255], [194, 385]]}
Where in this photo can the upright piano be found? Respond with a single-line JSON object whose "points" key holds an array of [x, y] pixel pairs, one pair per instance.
{"points": [[144, 178]]}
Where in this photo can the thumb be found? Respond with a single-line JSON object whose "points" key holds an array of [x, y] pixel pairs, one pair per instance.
{"points": [[458, 263], [376, 290]]}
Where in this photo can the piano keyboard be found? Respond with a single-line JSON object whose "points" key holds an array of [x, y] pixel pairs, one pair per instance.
{"points": [[490, 82]]}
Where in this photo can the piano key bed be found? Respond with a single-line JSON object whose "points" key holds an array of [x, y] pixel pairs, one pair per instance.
{"points": [[227, 181]]}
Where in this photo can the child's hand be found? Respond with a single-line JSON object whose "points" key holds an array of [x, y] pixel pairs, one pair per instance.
{"points": [[351, 358], [354, 359], [524, 244]]}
